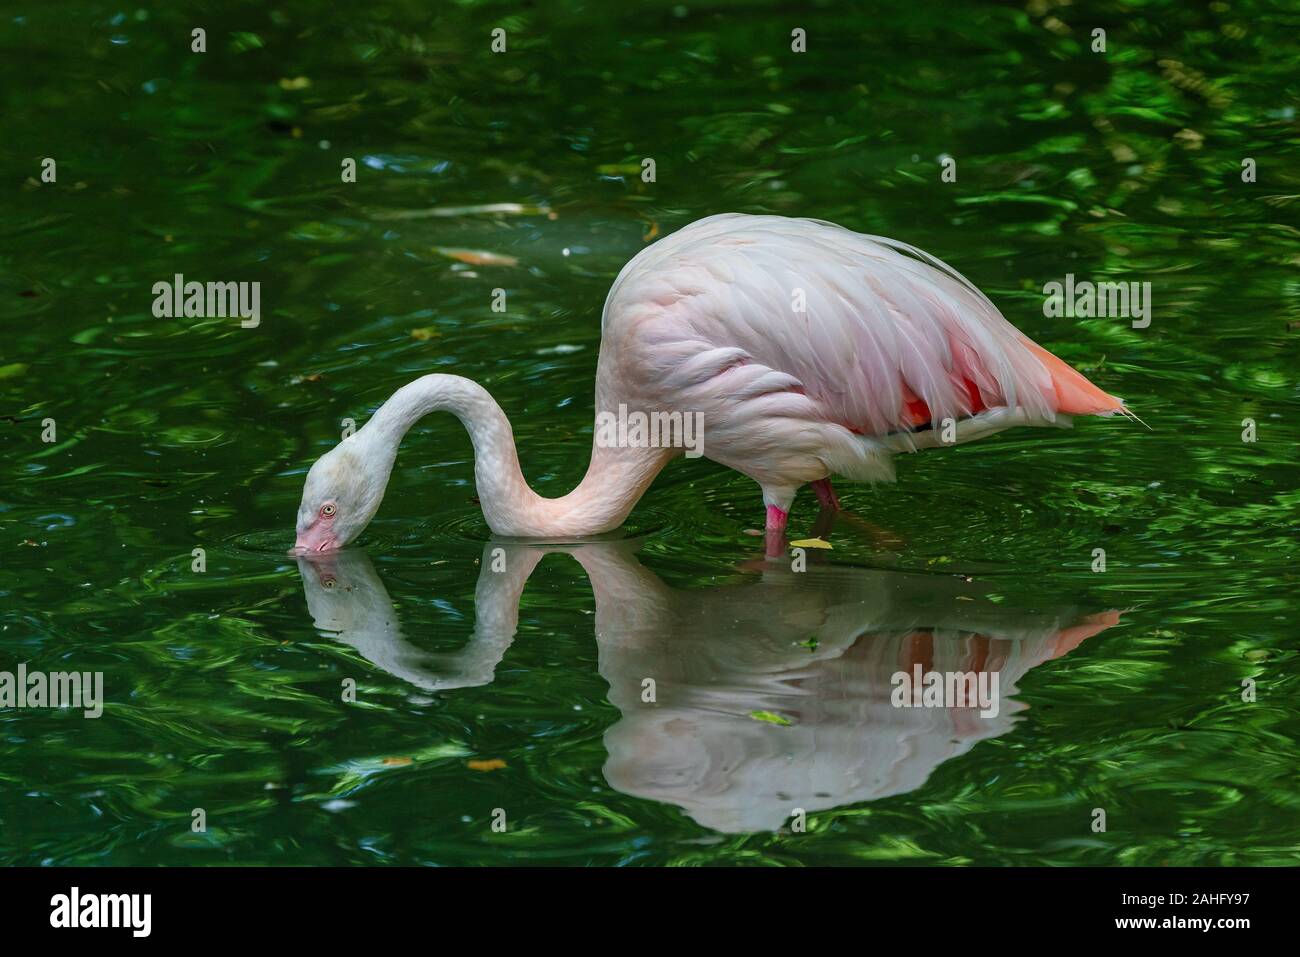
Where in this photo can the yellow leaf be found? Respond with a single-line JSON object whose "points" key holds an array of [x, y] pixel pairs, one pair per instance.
{"points": [[397, 762], [294, 83], [810, 543], [492, 764], [425, 334]]}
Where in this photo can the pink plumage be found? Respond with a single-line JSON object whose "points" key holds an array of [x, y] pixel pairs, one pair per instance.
{"points": [[806, 350], [888, 339]]}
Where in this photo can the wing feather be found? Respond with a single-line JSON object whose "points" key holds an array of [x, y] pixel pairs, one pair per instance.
{"points": [[886, 326]]}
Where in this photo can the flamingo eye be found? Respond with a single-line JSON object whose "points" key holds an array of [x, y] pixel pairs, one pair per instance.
{"points": [[327, 510]]}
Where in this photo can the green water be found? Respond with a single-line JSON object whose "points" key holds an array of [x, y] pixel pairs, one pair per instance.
{"points": [[1123, 689]]}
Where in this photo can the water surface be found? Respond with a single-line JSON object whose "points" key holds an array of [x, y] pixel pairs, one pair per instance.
{"points": [[522, 691]]}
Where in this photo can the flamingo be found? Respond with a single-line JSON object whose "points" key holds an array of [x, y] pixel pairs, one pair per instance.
{"points": [[806, 351]]}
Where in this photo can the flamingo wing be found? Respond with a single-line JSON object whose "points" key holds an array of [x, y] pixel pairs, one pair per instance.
{"points": [[802, 318]]}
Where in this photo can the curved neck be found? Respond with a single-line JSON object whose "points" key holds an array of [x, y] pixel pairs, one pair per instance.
{"points": [[615, 479]]}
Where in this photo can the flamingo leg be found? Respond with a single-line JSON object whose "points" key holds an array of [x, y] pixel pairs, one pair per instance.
{"points": [[832, 509], [826, 495], [826, 517], [776, 521]]}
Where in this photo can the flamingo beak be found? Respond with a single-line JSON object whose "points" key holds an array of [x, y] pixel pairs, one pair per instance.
{"points": [[316, 538]]}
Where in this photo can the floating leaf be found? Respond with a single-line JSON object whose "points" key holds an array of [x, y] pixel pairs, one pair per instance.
{"points": [[242, 41], [320, 233], [476, 257], [492, 764], [810, 543], [294, 83], [810, 644], [498, 209], [770, 718], [397, 762], [12, 371], [425, 334]]}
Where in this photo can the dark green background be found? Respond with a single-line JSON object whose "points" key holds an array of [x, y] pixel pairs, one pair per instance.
{"points": [[184, 432]]}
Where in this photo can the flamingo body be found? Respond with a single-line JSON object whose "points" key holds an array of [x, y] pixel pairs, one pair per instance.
{"points": [[889, 343], [806, 350]]}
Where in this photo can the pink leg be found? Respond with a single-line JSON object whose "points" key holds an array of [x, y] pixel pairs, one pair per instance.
{"points": [[826, 495], [776, 519]]}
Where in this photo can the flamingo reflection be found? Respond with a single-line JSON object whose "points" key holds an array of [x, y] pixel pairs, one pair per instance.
{"points": [[742, 703]]}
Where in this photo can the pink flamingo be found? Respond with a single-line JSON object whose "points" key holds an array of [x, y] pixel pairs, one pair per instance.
{"points": [[806, 350]]}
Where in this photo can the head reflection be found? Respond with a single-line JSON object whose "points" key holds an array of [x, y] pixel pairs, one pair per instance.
{"points": [[741, 703]]}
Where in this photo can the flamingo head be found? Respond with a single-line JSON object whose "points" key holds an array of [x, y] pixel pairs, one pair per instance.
{"points": [[340, 497]]}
